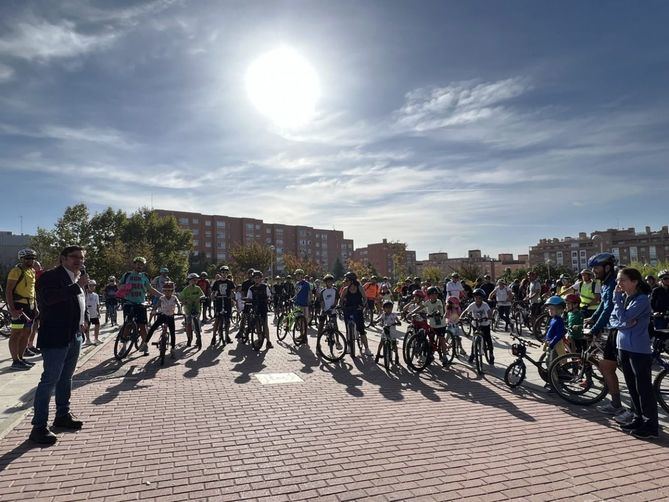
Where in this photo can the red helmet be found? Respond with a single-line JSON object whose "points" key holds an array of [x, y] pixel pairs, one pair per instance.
{"points": [[420, 293], [454, 300], [573, 298]]}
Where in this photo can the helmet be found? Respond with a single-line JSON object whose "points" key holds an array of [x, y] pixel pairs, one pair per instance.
{"points": [[454, 300], [139, 259], [385, 278], [501, 281], [299, 271], [92, 283], [454, 275], [257, 273], [224, 268], [420, 293], [487, 276], [556, 301], [573, 298], [364, 278], [168, 285], [328, 277], [250, 271], [278, 277], [586, 271], [164, 270], [387, 303], [192, 275], [350, 276], [432, 291], [374, 278], [663, 274], [564, 276], [27, 253], [409, 278], [416, 279], [203, 274], [111, 278], [479, 292], [289, 277], [602, 259]]}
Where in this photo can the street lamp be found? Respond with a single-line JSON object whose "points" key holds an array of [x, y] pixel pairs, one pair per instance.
{"points": [[601, 242], [548, 266], [271, 261]]}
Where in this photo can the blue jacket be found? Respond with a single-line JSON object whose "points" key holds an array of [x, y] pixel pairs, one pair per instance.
{"points": [[603, 312], [302, 292], [631, 317], [556, 331]]}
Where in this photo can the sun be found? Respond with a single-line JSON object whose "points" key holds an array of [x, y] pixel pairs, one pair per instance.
{"points": [[283, 86]]}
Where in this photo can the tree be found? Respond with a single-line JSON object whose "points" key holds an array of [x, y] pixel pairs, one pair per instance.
{"points": [[469, 271], [310, 267], [359, 268], [556, 271], [432, 274], [252, 255], [338, 270]]}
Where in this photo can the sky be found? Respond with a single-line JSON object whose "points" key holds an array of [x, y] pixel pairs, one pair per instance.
{"points": [[447, 125]]}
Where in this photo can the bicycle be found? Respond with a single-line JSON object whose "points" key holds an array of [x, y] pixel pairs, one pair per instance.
{"points": [[223, 319], [422, 342], [258, 327], [162, 343], [193, 320], [331, 343], [352, 336], [521, 314], [517, 371], [5, 323], [128, 337], [292, 321], [480, 347], [388, 347], [661, 383]]}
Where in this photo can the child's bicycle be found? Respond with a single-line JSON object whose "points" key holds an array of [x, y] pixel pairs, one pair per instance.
{"points": [[421, 342], [331, 343], [480, 347], [293, 321], [388, 347], [162, 343], [516, 371]]}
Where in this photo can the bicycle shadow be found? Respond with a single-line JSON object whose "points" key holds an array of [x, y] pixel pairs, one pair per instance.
{"points": [[249, 362], [206, 359], [341, 373], [130, 381], [307, 357]]}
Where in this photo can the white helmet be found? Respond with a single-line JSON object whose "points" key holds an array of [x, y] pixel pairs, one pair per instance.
{"points": [[27, 252], [192, 275]]}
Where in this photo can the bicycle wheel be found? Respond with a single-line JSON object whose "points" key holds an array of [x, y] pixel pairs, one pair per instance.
{"points": [[405, 344], [540, 325], [577, 380], [162, 347], [419, 350], [5, 322], [488, 351], [518, 323], [515, 374], [368, 317], [495, 320], [300, 331], [122, 345], [387, 354], [661, 387], [350, 335], [281, 327], [331, 345], [448, 354], [478, 354], [466, 325], [257, 335]]}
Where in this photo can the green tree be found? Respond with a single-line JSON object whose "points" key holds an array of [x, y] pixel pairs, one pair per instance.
{"points": [[359, 268], [469, 271], [252, 255], [338, 270], [432, 274], [310, 267]]}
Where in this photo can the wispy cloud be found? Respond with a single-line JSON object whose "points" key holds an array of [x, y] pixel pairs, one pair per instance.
{"points": [[6, 73]]}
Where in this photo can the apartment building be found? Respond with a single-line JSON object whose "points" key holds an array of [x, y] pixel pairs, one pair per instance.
{"points": [[216, 235], [627, 245], [10, 244], [487, 264], [386, 257]]}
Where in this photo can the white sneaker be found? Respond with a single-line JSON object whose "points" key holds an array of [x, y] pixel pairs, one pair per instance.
{"points": [[624, 418], [609, 409]]}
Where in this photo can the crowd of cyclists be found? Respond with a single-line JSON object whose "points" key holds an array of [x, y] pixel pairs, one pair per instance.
{"points": [[565, 314]]}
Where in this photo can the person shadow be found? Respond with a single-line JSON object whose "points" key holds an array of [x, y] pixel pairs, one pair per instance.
{"points": [[207, 358], [18, 451], [341, 372], [131, 380], [248, 362]]}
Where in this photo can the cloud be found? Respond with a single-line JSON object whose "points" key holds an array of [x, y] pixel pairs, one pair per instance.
{"points": [[6, 73], [41, 40], [72, 135]]}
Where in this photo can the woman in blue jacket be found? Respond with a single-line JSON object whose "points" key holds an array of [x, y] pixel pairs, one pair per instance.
{"points": [[631, 316]]}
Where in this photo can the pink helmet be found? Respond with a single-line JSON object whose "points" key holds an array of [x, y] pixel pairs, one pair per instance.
{"points": [[420, 293], [454, 300]]}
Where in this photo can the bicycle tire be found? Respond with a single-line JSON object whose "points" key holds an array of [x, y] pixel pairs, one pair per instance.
{"points": [[518, 323], [661, 388], [448, 355], [539, 326], [350, 335], [387, 351], [405, 345], [162, 348], [331, 339], [488, 351], [466, 325], [300, 331], [419, 347], [574, 380], [495, 319], [478, 354], [281, 327], [368, 317], [257, 335], [515, 374], [122, 345], [5, 323]]}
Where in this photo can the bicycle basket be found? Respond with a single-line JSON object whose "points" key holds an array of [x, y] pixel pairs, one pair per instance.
{"points": [[518, 349]]}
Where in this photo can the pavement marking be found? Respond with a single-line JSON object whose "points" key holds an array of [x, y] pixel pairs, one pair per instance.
{"points": [[274, 378]]}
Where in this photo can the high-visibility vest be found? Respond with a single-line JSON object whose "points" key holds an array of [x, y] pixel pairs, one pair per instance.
{"points": [[587, 292]]}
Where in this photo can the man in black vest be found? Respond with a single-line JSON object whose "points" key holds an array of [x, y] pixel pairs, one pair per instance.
{"points": [[61, 299]]}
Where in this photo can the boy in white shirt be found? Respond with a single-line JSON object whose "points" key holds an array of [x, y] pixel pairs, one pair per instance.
{"points": [[93, 310], [389, 319], [480, 310], [166, 308]]}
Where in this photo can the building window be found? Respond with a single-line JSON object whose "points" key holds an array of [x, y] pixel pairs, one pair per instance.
{"points": [[616, 252], [574, 254], [546, 255], [220, 235], [207, 223], [183, 221], [196, 242], [257, 227], [582, 253], [652, 252], [207, 244], [633, 254], [560, 260], [220, 245], [207, 233], [220, 224], [195, 231], [196, 221]]}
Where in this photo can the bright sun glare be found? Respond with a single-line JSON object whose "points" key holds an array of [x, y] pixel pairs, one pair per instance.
{"points": [[283, 86]]}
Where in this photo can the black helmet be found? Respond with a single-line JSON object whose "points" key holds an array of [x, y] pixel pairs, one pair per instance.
{"points": [[432, 291], [350, 276]]}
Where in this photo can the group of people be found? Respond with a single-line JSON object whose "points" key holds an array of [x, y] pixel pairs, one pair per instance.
{"points": [[64, 303]]}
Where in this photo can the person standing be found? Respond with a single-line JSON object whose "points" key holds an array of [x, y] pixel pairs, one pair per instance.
{"points": [[659, 301], [60, 295]]}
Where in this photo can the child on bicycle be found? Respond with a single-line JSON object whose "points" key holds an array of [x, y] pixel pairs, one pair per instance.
{"points": [[554, 341], [167, 307], [480, 310], [190, 298], [353, 301], [416, 303], [434, 308], [389, 319], [575, 335], [453, 311], [260, 295]]}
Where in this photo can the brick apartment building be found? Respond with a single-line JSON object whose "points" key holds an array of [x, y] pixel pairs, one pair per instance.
{"points": [[215, 235], [627, 245], [384, 256], [10, 244], [488, 265]]}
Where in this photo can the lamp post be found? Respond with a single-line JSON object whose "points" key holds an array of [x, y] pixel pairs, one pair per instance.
{"points": [[548, 266], [598, 237], [271, 261]]}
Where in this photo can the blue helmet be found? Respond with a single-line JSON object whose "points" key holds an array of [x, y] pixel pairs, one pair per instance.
{"points": [[602, 259], [556, 301], [479, 292]]}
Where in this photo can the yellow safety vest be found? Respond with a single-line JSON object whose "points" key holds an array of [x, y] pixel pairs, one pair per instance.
{"points": [[587, 292]]}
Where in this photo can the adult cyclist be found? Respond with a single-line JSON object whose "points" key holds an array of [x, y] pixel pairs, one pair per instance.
{"points": [[135, 286]]}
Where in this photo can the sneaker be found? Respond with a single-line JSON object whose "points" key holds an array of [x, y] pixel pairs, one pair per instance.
{"points": [[228, 340], [29, 363], [144, 349], [631, 426], [269, 345], [173, 354], [368, 352], [68, 422], [42, 435], [29, 352], [644, 432], [609, 409], [19, 366], [624, 418]]}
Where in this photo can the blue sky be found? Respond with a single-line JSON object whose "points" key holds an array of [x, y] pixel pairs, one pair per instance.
{"points": [[447, 125]]}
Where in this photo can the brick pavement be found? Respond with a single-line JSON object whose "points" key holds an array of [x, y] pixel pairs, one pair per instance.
{"points": [[204, 428]]}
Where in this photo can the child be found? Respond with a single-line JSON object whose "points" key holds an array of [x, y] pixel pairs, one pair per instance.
{"points": [[93, 308], [575, 323], [453, 312], [434, 308], [190, 297], [239, 298], [480, 310], [167, 307], [389, 319], [554, 344], [415, 304], [261, 296]]}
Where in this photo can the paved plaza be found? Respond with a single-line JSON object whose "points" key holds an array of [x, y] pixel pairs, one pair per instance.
{"points": [[232, 424]]}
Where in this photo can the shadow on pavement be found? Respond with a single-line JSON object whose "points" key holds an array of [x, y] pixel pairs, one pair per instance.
{"points": [[248, 361], [206, 359], [17, 452], [130, 381]]}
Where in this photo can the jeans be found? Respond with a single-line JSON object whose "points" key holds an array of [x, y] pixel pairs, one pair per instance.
{"points": [[637, 370], [59, 366]]}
